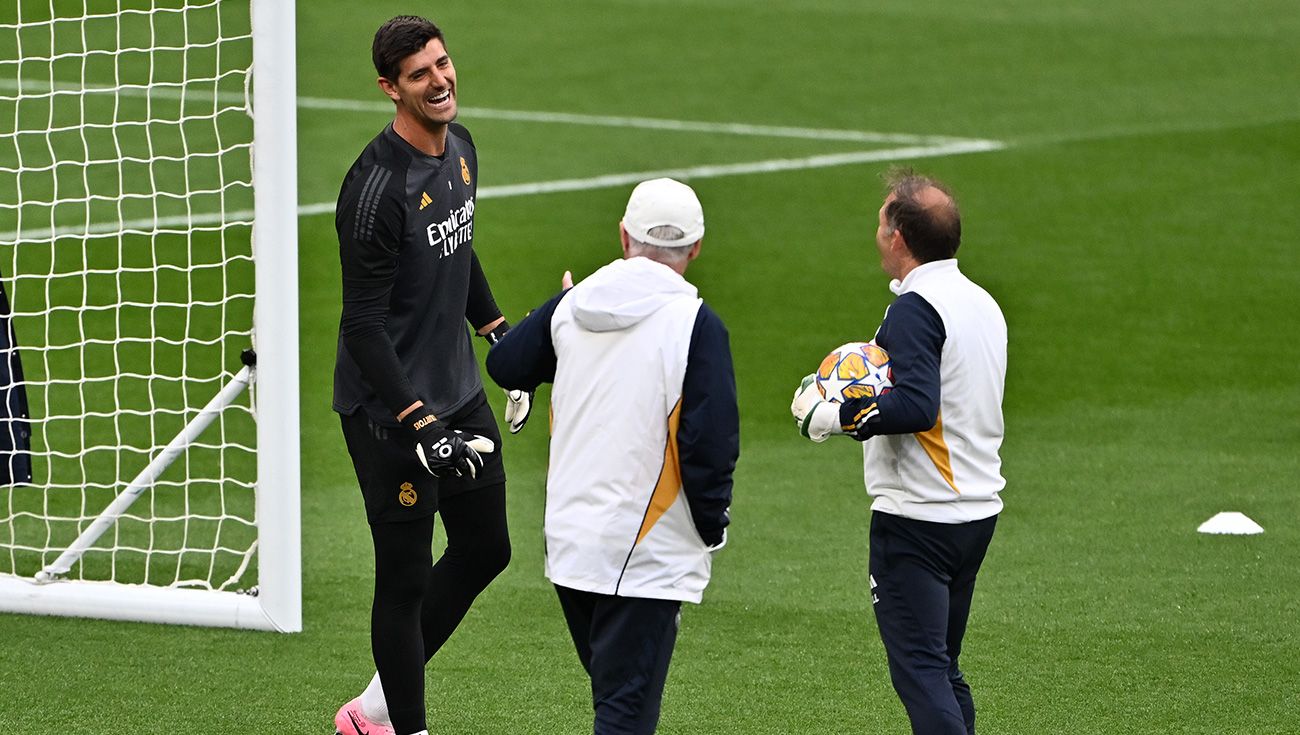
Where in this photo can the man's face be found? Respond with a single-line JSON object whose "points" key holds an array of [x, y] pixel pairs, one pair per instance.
{"points": [[425, 88]]}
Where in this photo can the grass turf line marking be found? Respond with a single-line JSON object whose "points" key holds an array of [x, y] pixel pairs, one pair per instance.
{"points": [[647, 123], [737, 169], [181, 224], [490, 113], [920, 147]]}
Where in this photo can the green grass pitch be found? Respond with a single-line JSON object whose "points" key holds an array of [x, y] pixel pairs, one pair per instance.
{"points": [[1138, 227]]}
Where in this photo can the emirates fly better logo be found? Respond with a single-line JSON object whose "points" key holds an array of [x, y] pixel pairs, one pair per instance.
{"points": [[454, 231]]}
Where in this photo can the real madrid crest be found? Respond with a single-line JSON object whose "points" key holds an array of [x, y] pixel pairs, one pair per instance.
{"points": [[464, 171], [407, 495]]}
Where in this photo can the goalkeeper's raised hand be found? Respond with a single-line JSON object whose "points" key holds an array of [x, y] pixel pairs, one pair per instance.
{"points": [[445, 451], [518, 403], [816, 417]]}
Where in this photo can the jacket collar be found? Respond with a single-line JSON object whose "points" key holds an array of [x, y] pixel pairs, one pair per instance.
{"points": [[921, 272]]}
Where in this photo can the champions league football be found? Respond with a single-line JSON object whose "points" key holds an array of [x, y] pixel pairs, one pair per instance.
{"points": [[854, 370]]}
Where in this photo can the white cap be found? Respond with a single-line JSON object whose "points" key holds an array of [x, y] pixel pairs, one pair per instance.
{"points": [[660, 202]]}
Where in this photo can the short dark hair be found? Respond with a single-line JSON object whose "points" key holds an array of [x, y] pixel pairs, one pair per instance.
{"points": [[931, 232], [398, 39]]}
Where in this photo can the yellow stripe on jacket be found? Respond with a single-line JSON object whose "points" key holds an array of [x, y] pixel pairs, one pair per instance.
{"points": [[670, 477], [937, 449]]}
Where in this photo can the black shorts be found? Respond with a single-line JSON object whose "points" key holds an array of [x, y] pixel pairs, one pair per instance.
{"points": [[394, 485]]}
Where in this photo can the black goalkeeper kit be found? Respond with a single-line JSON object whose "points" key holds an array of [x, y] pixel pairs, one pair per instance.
{"points": [[405, 309]]}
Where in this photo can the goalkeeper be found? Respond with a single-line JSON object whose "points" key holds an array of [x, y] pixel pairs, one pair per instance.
{"points": [[644, 437], [931, 454], [415, 417]]}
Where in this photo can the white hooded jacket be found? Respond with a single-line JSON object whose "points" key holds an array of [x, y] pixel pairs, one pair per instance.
{"points": [[617, 520]]}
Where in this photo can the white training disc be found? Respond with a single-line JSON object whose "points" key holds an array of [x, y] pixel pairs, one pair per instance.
{"points": [[1231, 522]]}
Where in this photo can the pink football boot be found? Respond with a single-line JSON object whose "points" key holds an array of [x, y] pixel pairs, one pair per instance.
{"points": [[350, 721]]}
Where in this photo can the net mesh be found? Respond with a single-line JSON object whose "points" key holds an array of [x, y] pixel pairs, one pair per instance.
{"points": [[126, 257]]}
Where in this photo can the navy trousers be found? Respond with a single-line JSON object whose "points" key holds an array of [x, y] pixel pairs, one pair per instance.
{"points": [[15, 428], [922, 581], [625, 644]]}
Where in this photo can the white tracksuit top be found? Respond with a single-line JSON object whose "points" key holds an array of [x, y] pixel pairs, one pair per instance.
{"points": [[952, 472], [617, 521]]}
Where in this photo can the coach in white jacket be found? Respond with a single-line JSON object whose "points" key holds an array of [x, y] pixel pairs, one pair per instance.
{"points": [[930, 452], [645, 435]]}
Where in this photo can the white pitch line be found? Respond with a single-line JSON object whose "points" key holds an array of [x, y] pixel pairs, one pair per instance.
{"points": [[605, 181], [179, 224], [737, 169], [535, 116], [915, 146], [647, 123], [689, 126]]}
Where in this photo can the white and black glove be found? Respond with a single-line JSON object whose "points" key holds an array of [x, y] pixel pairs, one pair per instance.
{"points": [[816, 417], [519, 403], [444, 451], [714, 547]]}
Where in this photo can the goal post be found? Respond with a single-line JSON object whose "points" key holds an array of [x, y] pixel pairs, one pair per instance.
{"points": [[275, 239], [148, 253]]}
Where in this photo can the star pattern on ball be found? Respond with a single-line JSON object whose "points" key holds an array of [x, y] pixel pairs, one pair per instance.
{"points": [[833, 387]]}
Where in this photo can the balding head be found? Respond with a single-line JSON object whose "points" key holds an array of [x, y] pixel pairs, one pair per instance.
{"points": [[924, 212]]}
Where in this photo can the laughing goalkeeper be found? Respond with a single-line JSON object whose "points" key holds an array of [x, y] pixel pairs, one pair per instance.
{"points": [[415, 416]]}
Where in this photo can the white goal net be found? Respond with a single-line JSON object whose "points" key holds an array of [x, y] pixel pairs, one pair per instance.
{"points": [[148, 466]]}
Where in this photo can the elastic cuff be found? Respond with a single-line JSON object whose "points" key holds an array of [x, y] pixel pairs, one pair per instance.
{"points": [[497, 332]]}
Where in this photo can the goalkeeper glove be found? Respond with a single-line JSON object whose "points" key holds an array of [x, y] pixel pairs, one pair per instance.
{"points": [[442, 450], [816, 417], [715, 544], [518, 403]]}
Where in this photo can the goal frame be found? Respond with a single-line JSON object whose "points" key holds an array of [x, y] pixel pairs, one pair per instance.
{"points": [[276, 603]]}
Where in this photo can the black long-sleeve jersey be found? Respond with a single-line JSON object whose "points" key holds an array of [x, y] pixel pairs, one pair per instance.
{"points": [[405, 223]]}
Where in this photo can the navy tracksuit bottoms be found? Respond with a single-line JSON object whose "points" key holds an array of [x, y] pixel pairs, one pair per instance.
{"points": [[625, 644], [922, 580]]}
